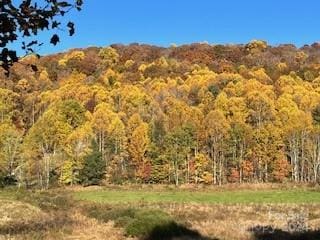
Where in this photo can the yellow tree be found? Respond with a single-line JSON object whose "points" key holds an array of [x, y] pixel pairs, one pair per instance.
{"points": [[109, 56], [261, 108], [132, 99], [117, 138], [76, 147], [296, 125], [266, 148], [101, 121], [256, 46], [216, 135], [45, 141], [42, 144], [313, 145], [201, 169], [10, 144], [8, 100], [71, 58], [138, 144]]}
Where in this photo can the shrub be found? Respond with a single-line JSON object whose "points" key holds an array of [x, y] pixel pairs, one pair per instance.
{"points": [[136, 222], [145, 221], [104, 213]]}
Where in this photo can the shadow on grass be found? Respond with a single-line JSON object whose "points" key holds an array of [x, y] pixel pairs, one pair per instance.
{"points": [[175, 231], [269, 233]]}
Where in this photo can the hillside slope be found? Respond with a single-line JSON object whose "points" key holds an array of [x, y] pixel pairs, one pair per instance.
{"points": [[195, 113]]}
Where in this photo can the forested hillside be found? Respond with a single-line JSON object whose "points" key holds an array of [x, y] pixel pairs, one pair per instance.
{"points": [[199, 113]]}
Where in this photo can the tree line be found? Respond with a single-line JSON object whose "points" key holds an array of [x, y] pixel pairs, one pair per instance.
{"points": [[143, 114]]}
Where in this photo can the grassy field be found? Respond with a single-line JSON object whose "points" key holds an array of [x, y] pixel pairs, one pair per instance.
{"points": [[214, 197], [147, 213]]}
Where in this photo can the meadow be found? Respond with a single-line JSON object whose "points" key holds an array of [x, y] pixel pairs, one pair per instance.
{"points": [[295, 196], [150, 213]]}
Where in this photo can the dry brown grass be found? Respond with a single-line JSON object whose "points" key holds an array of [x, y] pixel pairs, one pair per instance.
{"points": [[21, 220], [15, 212], [200, 187], [233, 222], [88, 228]]}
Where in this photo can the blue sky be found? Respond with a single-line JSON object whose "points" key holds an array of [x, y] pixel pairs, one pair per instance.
{"points": [[162, 22]]}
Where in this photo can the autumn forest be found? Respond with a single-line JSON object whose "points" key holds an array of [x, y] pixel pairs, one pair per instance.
{"points": [[198, 114]]}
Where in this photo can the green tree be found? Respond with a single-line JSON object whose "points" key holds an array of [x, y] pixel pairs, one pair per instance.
{"points": [[178, 145], [94, 167]]}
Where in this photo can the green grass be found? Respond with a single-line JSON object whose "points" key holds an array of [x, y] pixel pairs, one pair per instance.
{"points": [[8, 194], [214, 197]]}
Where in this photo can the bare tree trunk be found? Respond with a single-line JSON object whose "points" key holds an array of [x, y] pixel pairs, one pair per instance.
{"points": [[240, 164], [220, 170], [214, 169], [266, 172], [176, 173], [294, 159], [188, 169], [46, 158], [302, 176]]}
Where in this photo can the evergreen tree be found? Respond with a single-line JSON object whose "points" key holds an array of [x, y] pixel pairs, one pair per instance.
{"points": [[94, 168]]}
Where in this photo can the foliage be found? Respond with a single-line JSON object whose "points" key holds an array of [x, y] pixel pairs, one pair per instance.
{"points": [[109, 56], [28, 19], [192, 114]]}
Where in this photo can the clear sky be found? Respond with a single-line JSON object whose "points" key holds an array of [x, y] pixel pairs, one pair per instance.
{"points": [[162, 22]]}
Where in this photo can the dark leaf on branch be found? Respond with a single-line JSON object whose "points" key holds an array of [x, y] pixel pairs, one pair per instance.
{"points": [[55, 39], [70, 25], [79, 2], [32, 43], [55, 24], [26, 18], [64, 4]]}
